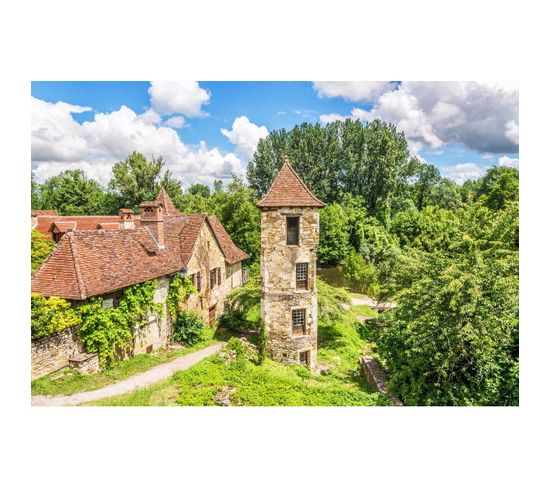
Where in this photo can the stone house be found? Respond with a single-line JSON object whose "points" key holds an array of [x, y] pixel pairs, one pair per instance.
{"points": [[103, 261], [289, 239]]}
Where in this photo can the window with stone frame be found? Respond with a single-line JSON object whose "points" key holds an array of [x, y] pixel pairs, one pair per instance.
{"points": [[301, 276], [304, 358], [219, 276], [299, 321], [293, 231]]}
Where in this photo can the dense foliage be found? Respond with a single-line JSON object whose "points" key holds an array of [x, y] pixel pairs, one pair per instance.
{"points": [[50, 315], [188, 328], [40, 249], [178, 291]]}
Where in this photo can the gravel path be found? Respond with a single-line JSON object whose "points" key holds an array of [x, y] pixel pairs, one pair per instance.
{"points": [[140, 380]]}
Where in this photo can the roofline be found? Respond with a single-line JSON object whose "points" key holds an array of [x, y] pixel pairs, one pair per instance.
{"points": [[287, 163]]}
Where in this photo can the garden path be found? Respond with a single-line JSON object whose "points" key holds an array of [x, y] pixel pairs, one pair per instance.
{"points": [[140, 380]]}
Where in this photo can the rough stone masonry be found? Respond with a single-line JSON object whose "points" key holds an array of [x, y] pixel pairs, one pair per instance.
{"points": [[289, 239]]}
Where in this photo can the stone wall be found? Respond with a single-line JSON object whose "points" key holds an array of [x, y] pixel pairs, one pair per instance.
{"points": [[51, 353], [279, 293]]}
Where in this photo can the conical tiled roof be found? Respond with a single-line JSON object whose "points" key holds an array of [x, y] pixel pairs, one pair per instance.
{"points": [[170, 209], [288, 190]]}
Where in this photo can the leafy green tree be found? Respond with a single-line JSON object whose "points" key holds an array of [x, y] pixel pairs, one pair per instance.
{"points": [[333, 235], [426, 179], [370, 161], [35, 193], [360, 275], [453, 339], [199, 189], [40, 249], [499, 186], [445, 194], [136, 179], [71, 192]]}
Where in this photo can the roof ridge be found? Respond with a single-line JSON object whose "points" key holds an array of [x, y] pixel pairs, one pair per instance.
{"points": [[301, 181], [79, 280]]}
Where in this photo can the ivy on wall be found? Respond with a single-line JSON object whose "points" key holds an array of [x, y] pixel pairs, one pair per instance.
{"points": [[178, 291], [105, 331]]}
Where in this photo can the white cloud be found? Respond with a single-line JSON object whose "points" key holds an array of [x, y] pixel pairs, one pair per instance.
{"points": [[462, 172], [512, 131], [482, 116], [59, 143], [356, 91], [150, 117], [328, 118], [508, 162], [245, 135], [175, 122], [178, 97]]}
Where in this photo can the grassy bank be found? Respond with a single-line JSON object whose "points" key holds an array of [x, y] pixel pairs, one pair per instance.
{"points": [[244, 382], [68, 381]]}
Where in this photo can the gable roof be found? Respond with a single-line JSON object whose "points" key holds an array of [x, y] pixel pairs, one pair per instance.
{"points": [[170, 209], [36, 213], [62, 226], [288, 190], [91, 263]]}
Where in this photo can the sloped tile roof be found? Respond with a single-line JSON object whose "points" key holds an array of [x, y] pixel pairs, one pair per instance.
{"points": [[231, 252], [36, 213], [170, 209], [82, 222], [62, 226], [90, 263], [288, 190]]}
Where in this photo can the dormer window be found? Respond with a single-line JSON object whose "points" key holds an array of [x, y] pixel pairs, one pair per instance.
{"points": [[292, 231]]}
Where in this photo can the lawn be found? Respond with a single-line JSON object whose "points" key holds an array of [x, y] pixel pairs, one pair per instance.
{"points": [[68, 381], [243, 382]]}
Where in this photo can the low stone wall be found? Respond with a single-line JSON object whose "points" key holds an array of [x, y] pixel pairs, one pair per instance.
{"points": [[376, 378], [50, 353]]}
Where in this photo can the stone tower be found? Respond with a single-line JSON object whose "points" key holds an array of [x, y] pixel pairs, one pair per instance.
{"points": [[289, 236]]}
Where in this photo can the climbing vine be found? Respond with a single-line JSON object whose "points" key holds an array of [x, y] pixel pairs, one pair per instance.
{"points": [[50, 315], [178, 291], [108, 331]]}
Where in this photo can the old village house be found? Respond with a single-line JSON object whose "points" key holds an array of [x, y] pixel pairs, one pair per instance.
{"points": [[102, 255]]}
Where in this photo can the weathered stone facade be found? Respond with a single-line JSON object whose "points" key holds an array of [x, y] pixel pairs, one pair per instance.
{"points": [[51, 353], [280, 294]]}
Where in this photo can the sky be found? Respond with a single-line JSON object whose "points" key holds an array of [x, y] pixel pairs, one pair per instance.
{"points": [[209, 130]]}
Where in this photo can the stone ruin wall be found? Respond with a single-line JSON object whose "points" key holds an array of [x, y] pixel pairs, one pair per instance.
{"points": [[279, 293]]}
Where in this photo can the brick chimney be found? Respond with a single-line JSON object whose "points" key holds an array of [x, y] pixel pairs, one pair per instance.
{"points": [[152, 216], [126, 218]]}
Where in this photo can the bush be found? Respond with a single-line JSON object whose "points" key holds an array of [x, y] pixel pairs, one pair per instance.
{"points": [[40, 249], [188, 328], [234, 320]]}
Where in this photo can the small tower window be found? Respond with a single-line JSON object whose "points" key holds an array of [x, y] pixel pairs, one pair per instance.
{"points": [[304, 358], [299, 321], [301, 276], [292, 231], [199, 281]]}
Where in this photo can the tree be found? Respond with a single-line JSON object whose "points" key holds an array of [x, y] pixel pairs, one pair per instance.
{"points": [[370, 161], [199, 189], [35, 193], [333, 235], [453, 339], [40, 249], [71, 192], [499, 186], [135, 179], [360, 275], [427, 177]]}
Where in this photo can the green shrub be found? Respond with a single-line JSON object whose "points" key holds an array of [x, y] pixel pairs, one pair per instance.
{"points": [[49, 315], [40, 249], [188, 328], [262, 342], [234, 320]]}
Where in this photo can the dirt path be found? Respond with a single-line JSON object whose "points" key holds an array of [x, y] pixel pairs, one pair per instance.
{"points": [[371, 303], [140, 380]]}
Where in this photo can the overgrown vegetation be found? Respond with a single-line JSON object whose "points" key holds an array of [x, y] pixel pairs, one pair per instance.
{"points": [[50, 315], [244, 307], [188, 328]]}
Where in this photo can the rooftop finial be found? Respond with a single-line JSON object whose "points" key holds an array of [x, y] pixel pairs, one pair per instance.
{"points": [[286, 159]]}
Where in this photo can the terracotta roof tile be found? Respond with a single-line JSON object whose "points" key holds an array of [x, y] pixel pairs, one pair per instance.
{"points": [[108, 225], [288, 190], [83, 222], [90, 263], [170, 209], [62, 226], [36, 213]]}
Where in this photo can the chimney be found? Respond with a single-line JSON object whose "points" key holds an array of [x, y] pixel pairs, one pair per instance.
{"points": [[126, 218], [152, 216]]}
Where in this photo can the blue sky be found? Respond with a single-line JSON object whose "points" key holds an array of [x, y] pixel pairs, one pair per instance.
{"points": [[209, 129]]}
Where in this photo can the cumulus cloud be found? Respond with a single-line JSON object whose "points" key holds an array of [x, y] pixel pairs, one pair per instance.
{"points": [[150, 117], [328, 118], [508, 162], [178, 97], [245, 135], [482, 116], [355, 91], [462, 172], [175, 122], [59, 143]]}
